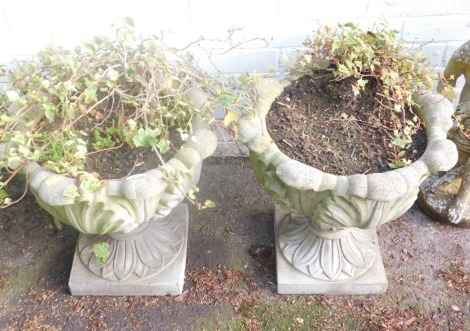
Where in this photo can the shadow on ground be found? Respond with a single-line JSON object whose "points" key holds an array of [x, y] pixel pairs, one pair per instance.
{"points": [[230, 274]]}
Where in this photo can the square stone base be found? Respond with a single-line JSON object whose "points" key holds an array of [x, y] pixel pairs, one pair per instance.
{"points": [[169, 281], [292, 281]]}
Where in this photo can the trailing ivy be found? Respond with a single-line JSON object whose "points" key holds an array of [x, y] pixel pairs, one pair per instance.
{"points": [[64, 104], [374, 55]]}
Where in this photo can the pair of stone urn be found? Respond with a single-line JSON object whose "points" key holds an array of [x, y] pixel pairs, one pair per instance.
{"points": [[325, 225]]}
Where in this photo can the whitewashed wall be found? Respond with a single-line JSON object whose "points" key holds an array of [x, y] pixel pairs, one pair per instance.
{"points": [[28, 25]]}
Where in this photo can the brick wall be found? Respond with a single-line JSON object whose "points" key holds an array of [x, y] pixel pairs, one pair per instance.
{"points": [[27, 26]]}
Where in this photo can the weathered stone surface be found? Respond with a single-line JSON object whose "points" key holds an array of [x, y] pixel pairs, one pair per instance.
{"points": [[150, 259], [226, 145], [149, 262], [438, 192], [447, 198], [459, 65], [336, 203], [122, 205], [365, 200], [305, 279]]}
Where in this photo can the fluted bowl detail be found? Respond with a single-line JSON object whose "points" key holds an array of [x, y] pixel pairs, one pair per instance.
{"points": [[122, 205], [363, 201]]}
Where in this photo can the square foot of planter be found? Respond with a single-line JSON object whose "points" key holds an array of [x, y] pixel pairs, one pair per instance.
{"points": [[292, 281], [168, 281]]}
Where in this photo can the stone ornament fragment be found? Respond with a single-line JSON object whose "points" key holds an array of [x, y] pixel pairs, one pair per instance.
{"points": [[446, 197]]}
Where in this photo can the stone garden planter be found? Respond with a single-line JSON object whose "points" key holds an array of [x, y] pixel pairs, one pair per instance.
{"points": [[140, 217], [325, 225]]}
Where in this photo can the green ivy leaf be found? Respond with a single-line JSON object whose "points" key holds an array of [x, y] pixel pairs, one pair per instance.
{"points": [[131, 72], [49, 111], [230, 117], [90, 46], [362, 82], [209, 204], [163, 145], [24, 151], [321, 64], [400, 142], [149, 44], [308, 58], [13, 162], [192, 191], [19, 138], [101, 250], [90, 185], [90, 95], [146, 137], [71, 191], [37, 154], [45, 84], [113, 75], [3, 196], [6, 118], [397, 164], [226, 100]]}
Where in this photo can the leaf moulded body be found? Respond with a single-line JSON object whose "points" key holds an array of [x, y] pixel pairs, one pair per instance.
{"points": [[326, 255], [363, 201], [356, 204], [139, 254], [123, 205], [135, 215]]}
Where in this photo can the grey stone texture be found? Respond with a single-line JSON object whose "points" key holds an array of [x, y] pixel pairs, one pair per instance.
{"points": [[153, 261], [335, 203], [447, 197], [123, 205], [166, 280], [292, 281]]}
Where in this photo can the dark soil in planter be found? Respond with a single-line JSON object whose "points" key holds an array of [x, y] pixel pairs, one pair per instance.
{"points": [[121, 162], [124, 160], [318, 121]]}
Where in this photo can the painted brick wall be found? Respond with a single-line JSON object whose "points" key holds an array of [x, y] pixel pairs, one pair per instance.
{"points": [[28, 25]]}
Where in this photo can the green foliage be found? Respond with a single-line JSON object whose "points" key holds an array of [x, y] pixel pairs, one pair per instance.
{"points": [[63, 151], [101, 250], [119, 134], [303, 313], [377, 56], [71, 191], [200, 206], [103, 94], [102, 141], [3, 196], [146, 137]]}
